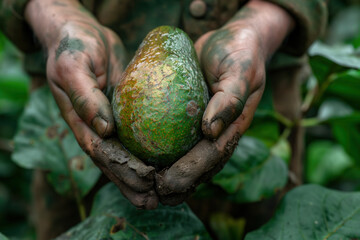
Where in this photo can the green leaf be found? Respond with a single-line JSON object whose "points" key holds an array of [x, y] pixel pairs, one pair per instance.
{"points": [[342, 55], [13, 94], [325, 162], [347, 134], [335, 111], [252, 172], [345, 125], [346, 85], [44, 141], [264, 129], [356, 41], [226, 227], [2, 237], [282, 149], [2, 42], [266, 102], [113, 217], [313, 212], [326, 61]]}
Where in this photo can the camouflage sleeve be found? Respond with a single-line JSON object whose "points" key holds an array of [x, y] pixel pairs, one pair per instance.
{"points": [[310, 17], [14, 26]]}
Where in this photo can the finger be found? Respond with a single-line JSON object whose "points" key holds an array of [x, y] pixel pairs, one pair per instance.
{"points": [[81, 85], [83, 134], [207, 157], [118, 58], [148, 200], [231, 92], [110, 154], [117, 62], [144, 199], [174, 199], [105, 154], [199, 44], [184, 173], [241, 124]]}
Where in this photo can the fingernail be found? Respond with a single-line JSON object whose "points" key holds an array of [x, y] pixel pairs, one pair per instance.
{"points": [[216, 127], [100, 126]]}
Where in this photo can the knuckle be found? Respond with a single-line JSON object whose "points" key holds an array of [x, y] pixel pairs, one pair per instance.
{"points": [[258, 79]]}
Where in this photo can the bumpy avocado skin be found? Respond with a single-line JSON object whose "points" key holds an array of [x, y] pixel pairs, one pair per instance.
{"points": [[159, 102]]}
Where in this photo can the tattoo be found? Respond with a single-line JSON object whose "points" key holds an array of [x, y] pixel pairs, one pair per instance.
{"points": [[69, 44]]}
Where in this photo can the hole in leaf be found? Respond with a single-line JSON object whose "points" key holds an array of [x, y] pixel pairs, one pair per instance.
{"points": [[51, 132], [64, 133], [118, 226], [77, 163]]}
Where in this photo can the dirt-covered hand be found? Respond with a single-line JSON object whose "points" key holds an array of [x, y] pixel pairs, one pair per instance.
{"points": [[233, 61], [84, 61]]}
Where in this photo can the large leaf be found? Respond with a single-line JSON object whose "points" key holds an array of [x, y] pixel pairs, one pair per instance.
{"points": [[345, 124], [264, 129], [334, 111], [325, 162], [327, 60], [342, 55], [252, 173], [13, 94], [313, 212], [14, 83], [2, 237], [113, 217], [346, 85], [226, 227], [44, 141], [347, 134]]}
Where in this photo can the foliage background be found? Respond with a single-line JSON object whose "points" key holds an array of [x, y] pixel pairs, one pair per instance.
{"points": [[332, 153]]}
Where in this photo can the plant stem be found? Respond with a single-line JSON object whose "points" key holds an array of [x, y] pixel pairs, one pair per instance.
{"points": [[309, 99], [315, 94], [310, 122], [323, 87], [285, 134], [284, 120]]}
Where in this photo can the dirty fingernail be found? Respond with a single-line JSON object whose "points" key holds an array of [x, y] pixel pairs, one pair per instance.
{"points": [[100, 126], [216, 127]]}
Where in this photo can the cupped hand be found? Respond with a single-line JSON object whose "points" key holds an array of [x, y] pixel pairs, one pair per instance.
{"points": [[233, 61], [233, 66], [84, 62]]}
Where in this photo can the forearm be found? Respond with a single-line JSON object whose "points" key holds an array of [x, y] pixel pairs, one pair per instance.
{"points": [[47, 17], [271, 23]]}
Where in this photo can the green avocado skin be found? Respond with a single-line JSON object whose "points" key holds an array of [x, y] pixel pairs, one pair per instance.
{"points": [[159, 102]]}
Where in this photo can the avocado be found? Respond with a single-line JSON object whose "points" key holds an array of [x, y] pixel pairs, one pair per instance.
{"points": [[160, 99]]}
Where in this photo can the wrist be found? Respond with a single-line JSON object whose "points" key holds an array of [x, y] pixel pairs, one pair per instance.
{"points": [[270, 23], [48, 17]]}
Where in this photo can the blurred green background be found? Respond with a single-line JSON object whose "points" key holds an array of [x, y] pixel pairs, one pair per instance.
{"points": [[14, 181]]}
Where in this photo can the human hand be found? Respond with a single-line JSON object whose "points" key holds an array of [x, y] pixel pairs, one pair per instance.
{"points": [[84, 62], [233, 61]]}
